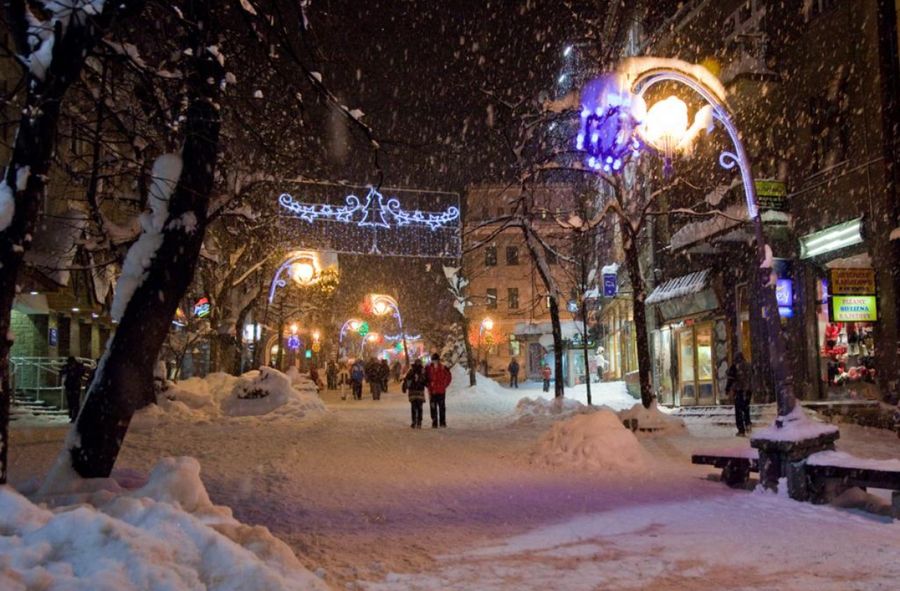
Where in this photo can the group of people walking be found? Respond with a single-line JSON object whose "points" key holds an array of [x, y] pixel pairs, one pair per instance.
{"points": [[435, 378]]}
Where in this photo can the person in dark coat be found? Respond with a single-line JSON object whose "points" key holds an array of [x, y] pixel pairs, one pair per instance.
{"points": [[71, 375], [331, 372], [414, 386], [373, 376], [397, 371], [385, 372], [738, 385], [513, 370]]}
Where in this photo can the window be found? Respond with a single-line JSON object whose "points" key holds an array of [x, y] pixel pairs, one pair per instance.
{"points": [[492, 298], [490, 256], [512, 255], [512, 298], [513, 346]]}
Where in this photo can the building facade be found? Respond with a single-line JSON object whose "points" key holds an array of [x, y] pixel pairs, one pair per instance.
{"points": [[819, 119]]}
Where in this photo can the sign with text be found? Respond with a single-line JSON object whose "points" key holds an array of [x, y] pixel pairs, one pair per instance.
{"points": [[853, 309], [610, 285], [852, 281], [771, 194]]}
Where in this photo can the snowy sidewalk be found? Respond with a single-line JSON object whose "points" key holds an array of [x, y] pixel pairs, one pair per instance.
{"points": [[370, 503]]}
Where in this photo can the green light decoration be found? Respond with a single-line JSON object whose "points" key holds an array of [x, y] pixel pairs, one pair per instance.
{"points": [[363, 329], [398, 347]]}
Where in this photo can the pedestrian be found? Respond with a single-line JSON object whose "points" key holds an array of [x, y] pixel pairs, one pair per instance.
{"points": [[343, 378], [314, 376], [513, 369], [357, 374], [602, 363], [384, 371], [373, 376], [439, 378], [71, 375], [414, 384], [738, 385], [331, 372], [545, 374], [397, 371]]}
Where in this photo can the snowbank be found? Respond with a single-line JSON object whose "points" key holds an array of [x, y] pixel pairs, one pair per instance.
{"points": [[652, 419], [165, 535], [594, 441], [529, 408], [267, 394]]}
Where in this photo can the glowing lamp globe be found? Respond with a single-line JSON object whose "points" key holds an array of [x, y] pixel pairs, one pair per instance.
{"points": [[488, 324], [294, 328], [316, 335], [380, 307], [665, 125], [303, 272], [354, 325]]}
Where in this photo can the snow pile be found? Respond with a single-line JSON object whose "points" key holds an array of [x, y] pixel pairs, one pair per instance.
{"points": [[530, 408], [165, 535], [594, 441], [651, 419], [261, 392], [267, 394], [796, 426]]}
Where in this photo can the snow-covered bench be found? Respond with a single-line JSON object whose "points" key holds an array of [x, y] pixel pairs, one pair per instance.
{"points": [[736, 463], [830, 473]]}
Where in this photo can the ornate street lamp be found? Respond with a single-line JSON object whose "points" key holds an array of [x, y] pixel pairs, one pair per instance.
{"points": [[616, 118], [382, 304]]}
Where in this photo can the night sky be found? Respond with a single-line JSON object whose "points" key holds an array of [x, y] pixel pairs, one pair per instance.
{"points": [[419, 70]]}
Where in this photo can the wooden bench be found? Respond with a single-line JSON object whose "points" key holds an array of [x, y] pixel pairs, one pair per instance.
{"points": [[736, 464], [831, 473]]}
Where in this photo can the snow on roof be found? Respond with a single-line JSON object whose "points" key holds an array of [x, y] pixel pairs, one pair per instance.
{"points": [[680, 287], [610, 269], [734, 215]]}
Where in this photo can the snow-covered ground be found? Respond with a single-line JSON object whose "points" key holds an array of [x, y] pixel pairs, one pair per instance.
{"points": [[509, 496]]}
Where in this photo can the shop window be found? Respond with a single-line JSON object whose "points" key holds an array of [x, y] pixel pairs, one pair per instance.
{"points": [[490, 256], [512, 255], [492, 298], [512, 298]]}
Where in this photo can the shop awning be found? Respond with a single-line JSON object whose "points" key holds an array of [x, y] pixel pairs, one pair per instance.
{"points": [[691, 283]]}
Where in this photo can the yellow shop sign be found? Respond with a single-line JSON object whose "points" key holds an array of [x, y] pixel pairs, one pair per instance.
{"points": [[853, 309]]}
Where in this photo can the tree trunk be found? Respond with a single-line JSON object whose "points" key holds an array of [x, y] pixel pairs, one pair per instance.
{"points": [[124, 380], [558, 383], [639, 311], [470, 357], [32, 152], [536, 251]]}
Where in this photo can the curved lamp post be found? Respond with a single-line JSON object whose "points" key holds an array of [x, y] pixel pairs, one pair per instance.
{"points": [[486, 325], [383, 304], [665, 127]]}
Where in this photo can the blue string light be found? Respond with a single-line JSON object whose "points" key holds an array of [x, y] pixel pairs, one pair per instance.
{"points": [[375, 212]]}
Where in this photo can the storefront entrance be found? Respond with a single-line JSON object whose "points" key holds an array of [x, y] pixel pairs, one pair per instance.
{"points": [[696, 385]]}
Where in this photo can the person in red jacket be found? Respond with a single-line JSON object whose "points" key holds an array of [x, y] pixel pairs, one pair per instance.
{"points": [[438, 379]]}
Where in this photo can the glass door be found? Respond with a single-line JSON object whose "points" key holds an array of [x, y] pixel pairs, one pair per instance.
{"points": [[686, 383], [705, 387]]}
